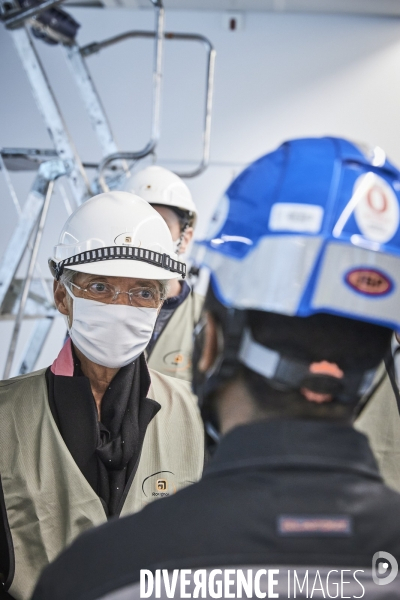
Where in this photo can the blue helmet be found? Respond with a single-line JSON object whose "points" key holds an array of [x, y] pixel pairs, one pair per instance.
{"points": [[311, 227]]}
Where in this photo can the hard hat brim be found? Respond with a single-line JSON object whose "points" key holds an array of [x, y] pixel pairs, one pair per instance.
{"points": [[125, 268]]}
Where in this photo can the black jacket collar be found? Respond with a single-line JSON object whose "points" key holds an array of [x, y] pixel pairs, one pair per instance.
{"points": [[295, 444]]}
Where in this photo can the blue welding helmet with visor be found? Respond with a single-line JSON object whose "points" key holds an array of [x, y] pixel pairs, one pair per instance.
{"points": [[310, 228]]}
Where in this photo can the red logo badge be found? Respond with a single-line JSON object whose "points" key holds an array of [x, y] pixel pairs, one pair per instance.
{"points": [[369, 282]]}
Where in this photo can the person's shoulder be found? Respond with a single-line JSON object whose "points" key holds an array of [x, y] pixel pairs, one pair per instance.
{"points": [[17, 385], [23, 379], [198, 300], [163, 387], [193, 303], [387, 499], [179, 406]]}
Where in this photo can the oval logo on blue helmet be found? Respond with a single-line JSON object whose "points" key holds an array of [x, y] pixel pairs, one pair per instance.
{"points": [[369, 282]]}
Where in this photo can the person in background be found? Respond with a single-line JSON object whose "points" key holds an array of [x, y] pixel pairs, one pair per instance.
{"points": [[96, 435], [296, 323], [380, 421], [170, 347]]}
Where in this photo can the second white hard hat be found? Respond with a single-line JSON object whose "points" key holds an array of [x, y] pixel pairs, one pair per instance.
{"points": [[117, 234], [160, 186]]}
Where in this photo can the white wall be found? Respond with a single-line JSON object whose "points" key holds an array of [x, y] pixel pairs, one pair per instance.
{"points": [[282, 76]]}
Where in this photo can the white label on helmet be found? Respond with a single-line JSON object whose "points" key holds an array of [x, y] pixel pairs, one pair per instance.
{"points": [[377, 209], [288, 216]]}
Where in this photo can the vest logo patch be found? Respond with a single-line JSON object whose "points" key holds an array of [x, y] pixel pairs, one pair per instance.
{"points": [[314, 525], [177, 361], [369, 282], [159, 485]]}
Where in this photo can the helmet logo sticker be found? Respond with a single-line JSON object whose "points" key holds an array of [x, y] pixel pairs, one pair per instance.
{"points": [[377, 211], [127, 239], [289, 216], [369, 282]]}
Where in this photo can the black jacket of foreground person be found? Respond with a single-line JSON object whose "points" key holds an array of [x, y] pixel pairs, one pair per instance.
{"points": [[263, 478]]}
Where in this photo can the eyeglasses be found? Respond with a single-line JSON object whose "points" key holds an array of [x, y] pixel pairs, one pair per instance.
{"points": [[147, 297]]}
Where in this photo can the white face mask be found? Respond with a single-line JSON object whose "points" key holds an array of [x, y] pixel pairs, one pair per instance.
{"points": [[111, 335]]}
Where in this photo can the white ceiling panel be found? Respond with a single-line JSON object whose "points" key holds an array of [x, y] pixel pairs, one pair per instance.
{"points": [[364, 7]]}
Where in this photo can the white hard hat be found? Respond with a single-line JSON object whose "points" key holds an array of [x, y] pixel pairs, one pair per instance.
{"points": [[160, 186], [117, 234]]}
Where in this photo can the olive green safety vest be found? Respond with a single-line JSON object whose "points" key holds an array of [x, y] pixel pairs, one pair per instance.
{"points": [[172, 353], [47, 499], [380, 422]]}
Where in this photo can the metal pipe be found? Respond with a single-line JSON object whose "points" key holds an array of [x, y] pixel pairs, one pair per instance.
{"points": [[17, 245], [155, 130], [211, 56], [157, 72], [97, 115], [95, 47], [28, 280], [18, 20], [19, 213], [51, 114], [34, 157], [207, 116], [10, 186]]}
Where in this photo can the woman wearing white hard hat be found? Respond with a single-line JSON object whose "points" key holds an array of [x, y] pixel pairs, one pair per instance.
{"points": [[96, 435], [170, 347]]}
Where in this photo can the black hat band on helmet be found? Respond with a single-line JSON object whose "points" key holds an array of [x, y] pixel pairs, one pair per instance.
{"points": [[284, 373], [151, 257]]}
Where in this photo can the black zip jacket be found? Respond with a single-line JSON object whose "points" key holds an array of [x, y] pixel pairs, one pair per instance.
{"points": [[263, 481]]}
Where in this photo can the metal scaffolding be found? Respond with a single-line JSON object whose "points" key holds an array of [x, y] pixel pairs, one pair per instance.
{"points": [[30, 297]]}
